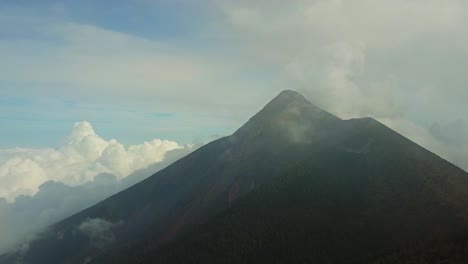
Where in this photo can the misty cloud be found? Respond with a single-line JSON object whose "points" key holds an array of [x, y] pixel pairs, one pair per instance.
{"points": [[99, 231], [454, 132]]}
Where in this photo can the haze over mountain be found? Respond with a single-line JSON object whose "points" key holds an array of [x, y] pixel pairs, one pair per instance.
{"points": [[294, 184]]}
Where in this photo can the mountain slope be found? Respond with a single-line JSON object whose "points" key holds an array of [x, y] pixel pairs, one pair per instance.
{"points": [[368, 196], [190, 190]]}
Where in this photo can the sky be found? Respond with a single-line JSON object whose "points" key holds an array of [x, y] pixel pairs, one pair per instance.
{"points": [[91, 87]]}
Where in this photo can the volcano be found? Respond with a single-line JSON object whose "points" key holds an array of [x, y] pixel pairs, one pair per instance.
{"points": [[295, 184]]}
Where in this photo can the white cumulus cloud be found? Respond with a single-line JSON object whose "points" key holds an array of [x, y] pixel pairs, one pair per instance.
{"points": [[83, 155]]}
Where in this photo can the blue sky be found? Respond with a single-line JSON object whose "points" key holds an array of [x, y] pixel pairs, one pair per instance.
{"points": [[39, 112], [154, 19]]}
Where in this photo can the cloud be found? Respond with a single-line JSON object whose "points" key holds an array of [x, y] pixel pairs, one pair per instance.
{"points": [[361, 50], [99, 232], [83, 155]]}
